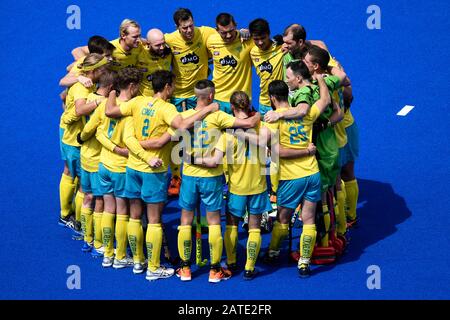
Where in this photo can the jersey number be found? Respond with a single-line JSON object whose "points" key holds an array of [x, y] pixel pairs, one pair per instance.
{"points": [[145, 128], [112, 125]]}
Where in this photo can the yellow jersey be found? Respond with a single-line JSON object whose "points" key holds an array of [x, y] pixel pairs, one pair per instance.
{"points": [[348, 120], [269, 67], [91, 148], [70, 122], [296, 134], [124, 58], [246, 170], [149, 118], [232, 66], [110, 134], [190, 60], [205, 137], [149, 63]]}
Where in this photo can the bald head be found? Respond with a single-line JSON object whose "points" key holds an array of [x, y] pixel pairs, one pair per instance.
{"points": [[156, 41]]}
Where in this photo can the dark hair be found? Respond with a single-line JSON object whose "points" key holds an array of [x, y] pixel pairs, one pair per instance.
{"points": [[223, 19], [240, 100], [128, 75], [298, 32], [107, 78], [203, 84], [279, 90], [160, 78], [320, 56], [299, 68], [98, 44], [182, 14], [259, 27]]}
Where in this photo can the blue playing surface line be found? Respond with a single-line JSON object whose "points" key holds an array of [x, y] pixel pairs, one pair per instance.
{"points": [[403, 168]]}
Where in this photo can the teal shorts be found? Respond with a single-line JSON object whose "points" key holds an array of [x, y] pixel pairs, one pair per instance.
{"points": [[191, 103], [207, 189], [150, 187], [90, 182], [253, 204], [111, 182], [350, 151], [71, 155], [291, 193], [263, 109], [224, 106], [61, 134]]}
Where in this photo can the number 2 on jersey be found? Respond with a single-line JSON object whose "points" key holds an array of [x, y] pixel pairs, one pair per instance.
{"points": [[145, 128]]}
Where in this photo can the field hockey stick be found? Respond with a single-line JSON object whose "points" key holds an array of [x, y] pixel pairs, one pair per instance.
{"points": [[198, 240], [174, 261], [291, 256]]}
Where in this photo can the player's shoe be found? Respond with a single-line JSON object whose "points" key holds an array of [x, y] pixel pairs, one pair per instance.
{"points": [[352, 223], [87, 247], [184, 273], [219, 274], [232, 267], [304, 271], [250, 274], [273, 197], [98, 252], [272, 257], [123, 263], [107, 262], [161, 273], [174, 187], [139, 267]]}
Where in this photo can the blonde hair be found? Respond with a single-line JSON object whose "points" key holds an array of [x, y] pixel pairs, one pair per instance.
{"points": [[240, 100], [126, 23], [91, 60]]}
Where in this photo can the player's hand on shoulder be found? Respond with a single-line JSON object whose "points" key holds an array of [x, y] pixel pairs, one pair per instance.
{"points": [[85, 81], [271, 116]]}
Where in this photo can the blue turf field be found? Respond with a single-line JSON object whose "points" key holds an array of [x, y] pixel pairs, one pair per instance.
{"points": [[403, 168]]}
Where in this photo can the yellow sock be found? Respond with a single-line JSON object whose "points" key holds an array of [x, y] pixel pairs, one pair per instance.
{"points": [[326, 220], [121, 236], [341, 221], [136, 239], [66, 191], [352, 189], [231, 240], [98, 241], [279, 232], [307, 240], [215, 243], [86, 224], [108, 233], [79, 197], [185, 242], [154, 242], [253, 246], [76, 183]]}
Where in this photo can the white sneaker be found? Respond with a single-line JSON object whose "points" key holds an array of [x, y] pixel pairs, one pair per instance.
{"points": [[139, 267], [122, 263], [96, 253], [107, 262], [161, 273]]}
